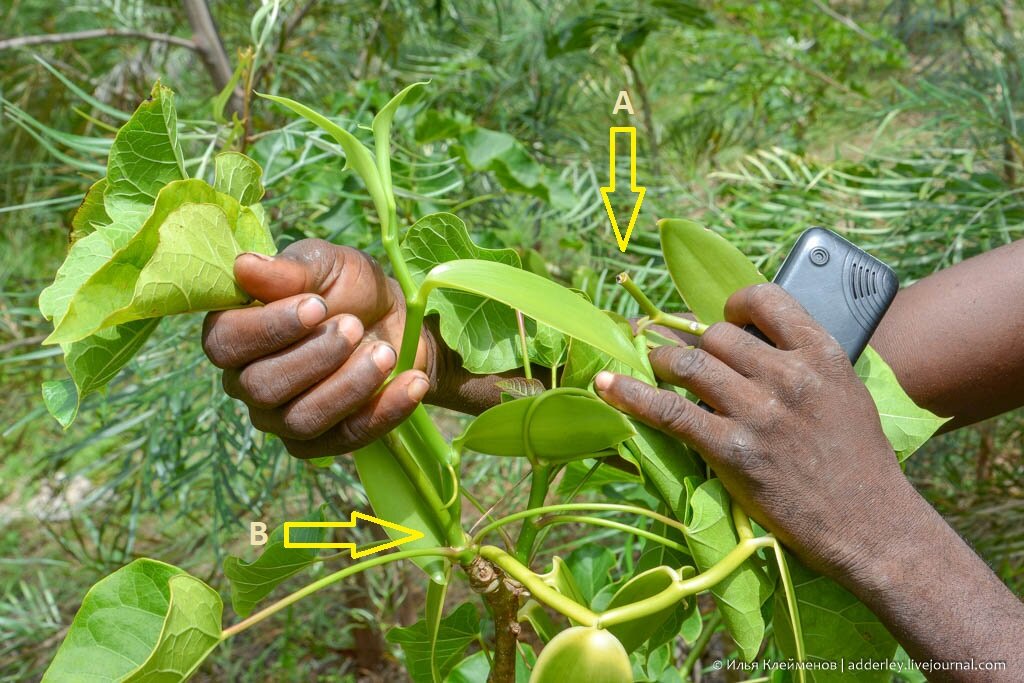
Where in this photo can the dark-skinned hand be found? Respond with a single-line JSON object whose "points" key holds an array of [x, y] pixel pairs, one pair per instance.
{"points": [[310, 361], [795, 436]]}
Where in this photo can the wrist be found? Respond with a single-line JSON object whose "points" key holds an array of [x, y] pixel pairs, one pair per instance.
{"points": [[886, 541]]}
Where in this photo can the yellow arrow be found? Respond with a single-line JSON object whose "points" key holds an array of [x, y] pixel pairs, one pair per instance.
{"points": [[633, 188], [410, 535]]}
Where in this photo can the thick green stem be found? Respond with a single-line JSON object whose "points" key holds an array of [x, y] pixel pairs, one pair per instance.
{"points": [[656, 316], [328, 580], [538, 589], [791, 605], [415, 307], [451, 524], [576, 507], [684, 587], [741, 522], [539, 480], [612, 524]]}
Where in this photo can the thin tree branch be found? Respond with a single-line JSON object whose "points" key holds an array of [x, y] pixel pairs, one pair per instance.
{"points": [[54, 38], [211, 49]]}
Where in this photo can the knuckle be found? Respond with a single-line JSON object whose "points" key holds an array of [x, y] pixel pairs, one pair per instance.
{"points": [[688, 363], [307, 420], [766, 296], [741, 449], [717, 336], [264, 389], [214, 346], [353, 434], [277, 330]]}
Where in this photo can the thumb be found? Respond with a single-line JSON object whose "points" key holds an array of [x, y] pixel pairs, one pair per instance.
{"points": [[348, 280], [268, 278]]}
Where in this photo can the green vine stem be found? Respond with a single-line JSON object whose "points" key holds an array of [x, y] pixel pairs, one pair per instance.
{"points": [[451, 524], [575, 507], [538, 589], [539, 481], [612, 524], [330, 579], [682, 588], [656, 316]]}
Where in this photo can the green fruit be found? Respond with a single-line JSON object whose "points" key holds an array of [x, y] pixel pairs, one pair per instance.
{"points": [[583, 653]]}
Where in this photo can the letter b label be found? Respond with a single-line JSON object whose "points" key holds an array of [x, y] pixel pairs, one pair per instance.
{"points": [[257, 533]]}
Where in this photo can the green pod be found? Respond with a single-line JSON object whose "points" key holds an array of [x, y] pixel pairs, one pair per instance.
{"points": [[583, 653], [556, 426]]}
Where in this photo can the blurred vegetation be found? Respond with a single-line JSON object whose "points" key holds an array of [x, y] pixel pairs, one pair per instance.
{"points": [[897, 122]]}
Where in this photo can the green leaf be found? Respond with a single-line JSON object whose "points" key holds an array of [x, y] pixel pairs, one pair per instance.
{"points": [[238, 176], [482, 331], [473, 669], [710, 535], [906, 425], [836, 627], [190, 632], [395, 498], [665, 464], [381, 128], [705, 267], [591, 566], [540, 299], [456, 632], [93, 362], [146, 621], [144, 157], [253, 581], [357, 156], [513, 166], [181, 260], [91, 213], [633, 634], [555, 426]]}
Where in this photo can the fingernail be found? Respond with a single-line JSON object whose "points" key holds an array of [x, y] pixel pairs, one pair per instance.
{"points": [[384, 357], [312, 311], [255, 254], [603, 380], [350, 328], [417, 389]]}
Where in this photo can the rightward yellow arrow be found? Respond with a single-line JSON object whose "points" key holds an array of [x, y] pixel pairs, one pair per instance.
{"points": [[410, 535], [635, 192]]}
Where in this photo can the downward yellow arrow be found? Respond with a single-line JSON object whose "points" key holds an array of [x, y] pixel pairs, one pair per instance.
{"points": [[607, 192], [410, 535]]}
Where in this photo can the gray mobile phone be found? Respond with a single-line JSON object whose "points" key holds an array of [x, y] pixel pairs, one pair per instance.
{"points": [[844, 288]]}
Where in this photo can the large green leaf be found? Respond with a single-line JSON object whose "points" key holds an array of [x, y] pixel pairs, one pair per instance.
{"points": [[665, 464], [181, 260], [906, 425], [91, 213], [148, 621], [836, 627], [238, 176], [513, 166], [540, 299], [482, 331], [394, 498], [705, 267], [191, 630], [710, 535], [555, 426], [456, 632], [144, 157], [591, 566], [253, 581]]}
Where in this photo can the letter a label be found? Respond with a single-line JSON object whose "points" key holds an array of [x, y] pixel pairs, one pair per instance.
{"points": [[623, 102]]}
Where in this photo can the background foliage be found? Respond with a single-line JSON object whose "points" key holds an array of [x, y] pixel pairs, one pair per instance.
{"points": [[896, 122]]}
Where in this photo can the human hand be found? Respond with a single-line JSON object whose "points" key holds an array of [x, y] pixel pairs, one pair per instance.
{"points": [[309, 363], [795, 438]]}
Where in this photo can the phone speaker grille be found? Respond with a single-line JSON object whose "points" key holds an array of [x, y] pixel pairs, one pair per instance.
{"points": [[863, 279]]}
